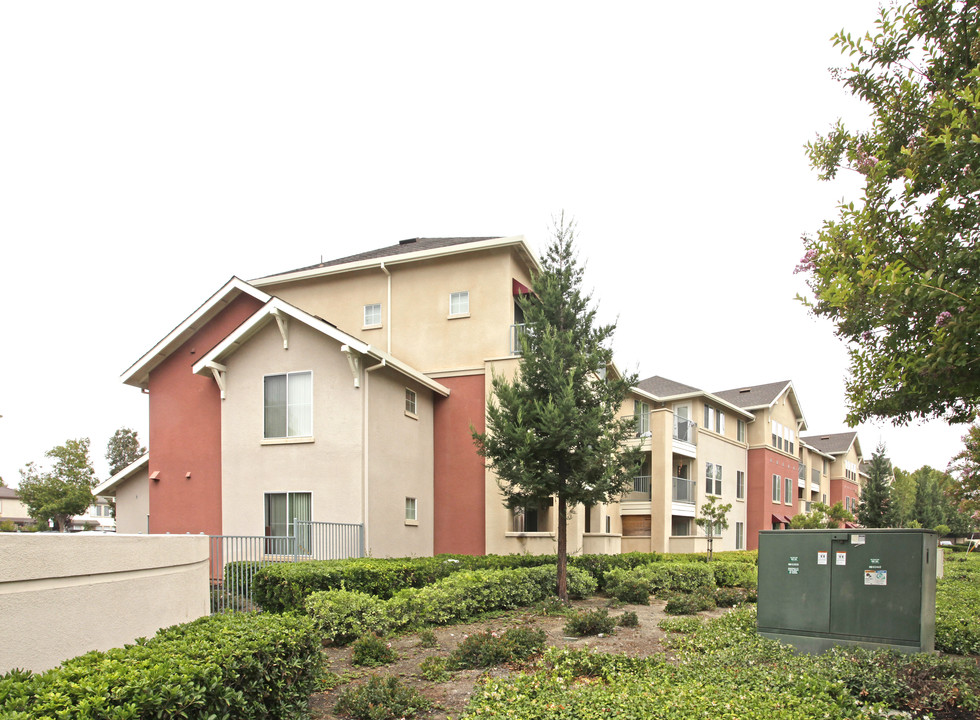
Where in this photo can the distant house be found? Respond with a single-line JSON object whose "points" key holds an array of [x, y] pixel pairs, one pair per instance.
{"points": [[130, 491], [846, 477], [12, 509]]}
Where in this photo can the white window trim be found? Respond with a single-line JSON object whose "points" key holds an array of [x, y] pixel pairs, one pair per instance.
{"points": [[462, 313], [777, 489], [288, 439], [414, 521], [372, 325], [414, 414], [740, 496]]}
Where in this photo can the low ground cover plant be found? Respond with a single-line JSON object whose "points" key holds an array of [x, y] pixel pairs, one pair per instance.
{"points": [[957, 600]]}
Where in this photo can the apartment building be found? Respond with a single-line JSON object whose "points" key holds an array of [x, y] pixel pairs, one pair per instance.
{"points": [[694, 448], [844, 456]]}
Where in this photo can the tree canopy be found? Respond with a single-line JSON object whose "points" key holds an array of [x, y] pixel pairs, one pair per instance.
{"points": [[123, 449], [62, 491], [552, 431], [898, 271], [965, 466]]}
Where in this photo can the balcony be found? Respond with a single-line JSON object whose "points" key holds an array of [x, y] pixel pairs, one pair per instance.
{"points": [[641, 490], [642, 424], [682, 490], [516, 331], [685, 437]]}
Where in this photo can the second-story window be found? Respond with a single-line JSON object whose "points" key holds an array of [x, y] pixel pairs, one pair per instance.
{"points": [[741, 431], [372, 314], [712, 479], [411, 402], [459, 303], [288, 405], [740, 484]]}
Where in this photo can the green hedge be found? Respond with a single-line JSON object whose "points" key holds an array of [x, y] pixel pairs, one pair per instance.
{"points": [[957, 600], [343, 615], [234, 666], [660, 578], [285, 586]]}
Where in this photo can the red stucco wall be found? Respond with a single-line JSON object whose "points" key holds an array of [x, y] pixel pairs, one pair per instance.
{"points": [[460, 498], [763, 463], [185, 432]]}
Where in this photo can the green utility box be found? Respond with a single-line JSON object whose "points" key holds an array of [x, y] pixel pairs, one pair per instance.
{"points": [[864, 587]]}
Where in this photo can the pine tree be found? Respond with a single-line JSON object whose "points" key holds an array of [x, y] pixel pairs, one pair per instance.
{"points": [[123, 449], [552, 432], [876, 505]]}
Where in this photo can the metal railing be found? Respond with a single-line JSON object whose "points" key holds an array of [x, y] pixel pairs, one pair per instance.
{"points": [[815, 476], [682, 490], [235, 559], [684, 430], [641, 489]]}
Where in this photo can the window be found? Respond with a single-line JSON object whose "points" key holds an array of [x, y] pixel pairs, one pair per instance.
{"points": [[641, 412], [712, 479], [788, 489], [680, 525], [777, 435], [525, 519], [824, 501], [775, 488], [282, 512], [709, 417], [740, 484], [372, 315], [792, 442], [288, 405], [411, 510], [411, 402], [459, 303], [739, 536], [720, 423], [740, 431]]}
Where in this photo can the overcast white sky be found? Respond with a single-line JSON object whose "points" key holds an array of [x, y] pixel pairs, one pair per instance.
{"points": [[148, 152]]}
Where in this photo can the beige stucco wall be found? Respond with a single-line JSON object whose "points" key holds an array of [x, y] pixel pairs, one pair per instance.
{"points": [[63, 595], [400, 465], [351, 442], [329, 466], [133, 503], [732, 456], [12, 508], [417, 322]]}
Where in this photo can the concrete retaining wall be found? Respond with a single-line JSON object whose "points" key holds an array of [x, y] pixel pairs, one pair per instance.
{"points": [[62, 595]]}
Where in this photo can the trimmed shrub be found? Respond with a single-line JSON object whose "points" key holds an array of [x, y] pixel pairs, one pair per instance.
{"points": [[689, 603], [223, 666], [628, 619], [381, 698], [735, 574], [344, 616], [628, 586], [730, 596], [371, 651], [591, 622], [488, 649]]}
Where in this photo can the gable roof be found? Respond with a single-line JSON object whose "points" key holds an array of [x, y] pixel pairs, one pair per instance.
{"points": [[755, 397], [410, 250], [277, 308], [9, 493], [663, 387], [832, 444], [763, 397], [139, 372], [109, 486]]}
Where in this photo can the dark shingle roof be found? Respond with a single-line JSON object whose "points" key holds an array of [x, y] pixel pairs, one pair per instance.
{"points": [[662, 387], [751, 396], [403, 247], [833, 444]]}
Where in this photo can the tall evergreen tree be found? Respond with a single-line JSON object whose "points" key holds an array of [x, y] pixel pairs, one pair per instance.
{"points": [[553, 432], [876, 510], [928, 498]]}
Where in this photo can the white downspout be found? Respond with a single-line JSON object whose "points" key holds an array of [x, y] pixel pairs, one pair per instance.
{"points": [[388, 309], [365, 454]]}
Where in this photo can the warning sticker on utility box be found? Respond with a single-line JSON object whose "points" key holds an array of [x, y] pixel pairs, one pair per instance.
{"points": [[875, 577]]}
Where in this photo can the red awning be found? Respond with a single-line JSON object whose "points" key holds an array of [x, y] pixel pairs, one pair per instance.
{"points": [[521, 289], [787, 519], [778, 518]]}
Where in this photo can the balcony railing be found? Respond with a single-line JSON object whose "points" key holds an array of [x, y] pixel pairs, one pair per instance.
{"points": [[641, 489], [682, 490], [684, 430], [815, 476], [516, 331], [802, 473]]}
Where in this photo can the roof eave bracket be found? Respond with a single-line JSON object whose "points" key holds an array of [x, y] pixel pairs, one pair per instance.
{"points": [[354, 361], [283, 323], [219, 371]]}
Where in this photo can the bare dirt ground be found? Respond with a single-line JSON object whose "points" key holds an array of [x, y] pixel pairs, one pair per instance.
{"points": [[449, 698]]}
